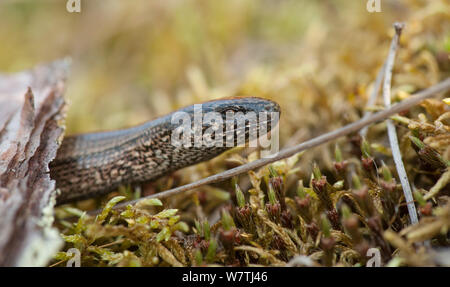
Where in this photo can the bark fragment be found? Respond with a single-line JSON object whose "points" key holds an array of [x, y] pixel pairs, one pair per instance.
{"points": [[31, 112]]}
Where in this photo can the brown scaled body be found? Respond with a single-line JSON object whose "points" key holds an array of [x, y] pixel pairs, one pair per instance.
{"points": [[94, 164]]}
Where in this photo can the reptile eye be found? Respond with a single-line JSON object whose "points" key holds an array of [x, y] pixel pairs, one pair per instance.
{"points": [[228, 110], [233, 109]]}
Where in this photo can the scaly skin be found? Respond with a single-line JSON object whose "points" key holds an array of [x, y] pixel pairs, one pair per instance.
{"points": [[89, 165]]}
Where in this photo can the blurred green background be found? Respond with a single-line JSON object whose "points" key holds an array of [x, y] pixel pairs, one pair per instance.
{"points": [[134, 60]]}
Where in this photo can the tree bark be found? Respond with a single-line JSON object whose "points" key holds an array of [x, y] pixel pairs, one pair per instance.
{"points": [[32, 110]]}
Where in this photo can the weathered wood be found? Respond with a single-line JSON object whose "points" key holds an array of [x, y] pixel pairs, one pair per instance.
{"points": [[31, 113]]}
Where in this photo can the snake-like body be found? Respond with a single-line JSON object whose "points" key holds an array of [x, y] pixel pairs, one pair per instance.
{"points": [[92, 164]]}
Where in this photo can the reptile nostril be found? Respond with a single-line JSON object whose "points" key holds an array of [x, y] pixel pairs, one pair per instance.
{"points": [[271, 107]]}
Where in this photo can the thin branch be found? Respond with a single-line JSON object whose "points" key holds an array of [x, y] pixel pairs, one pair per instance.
{"points": [[287, 152], [373, 97], [392, 133]]}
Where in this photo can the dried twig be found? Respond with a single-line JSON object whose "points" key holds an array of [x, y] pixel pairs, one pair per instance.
{"points": [[392, 133], [287, 152], [373, 97]]}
